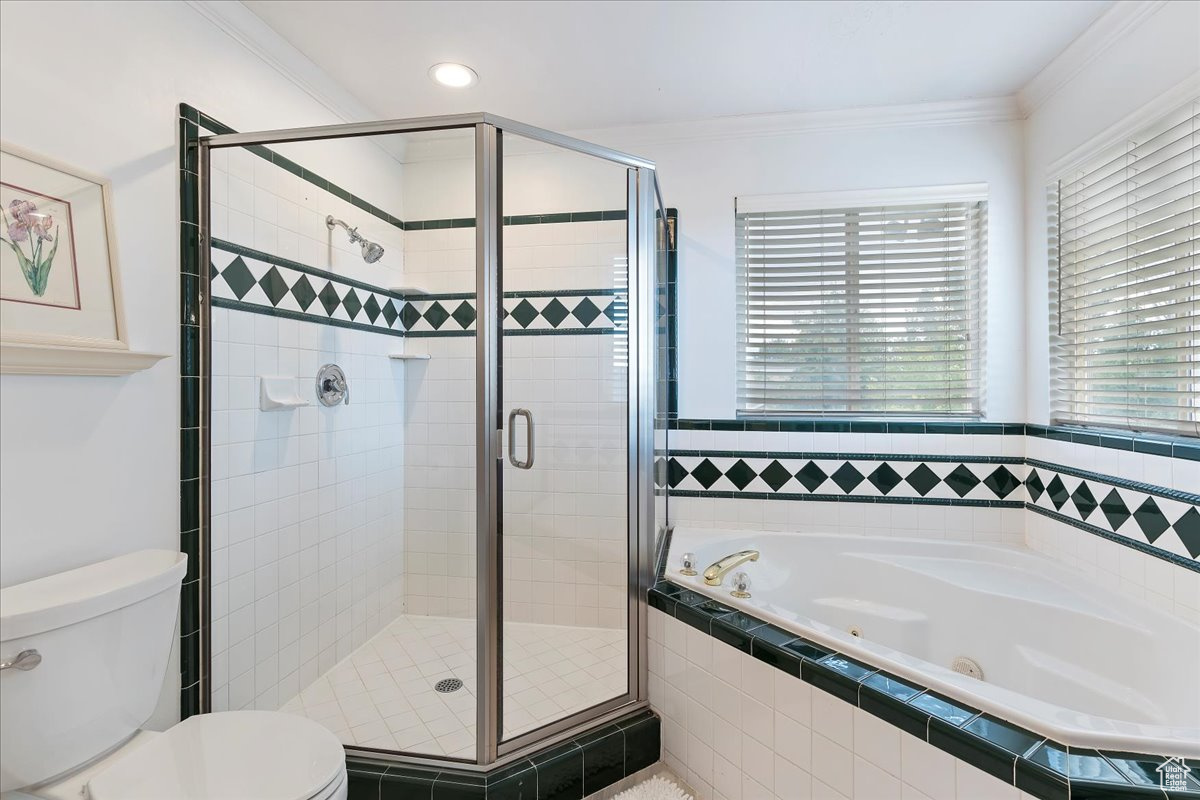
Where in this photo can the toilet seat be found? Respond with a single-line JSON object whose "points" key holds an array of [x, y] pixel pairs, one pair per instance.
{"points": [[230, 755]]}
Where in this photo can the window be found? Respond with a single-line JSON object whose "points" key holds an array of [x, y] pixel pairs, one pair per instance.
{"points": [[862, 310], [1124, 297]]}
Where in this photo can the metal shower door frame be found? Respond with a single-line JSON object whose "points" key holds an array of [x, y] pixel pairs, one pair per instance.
{"points": [[642, 191]]}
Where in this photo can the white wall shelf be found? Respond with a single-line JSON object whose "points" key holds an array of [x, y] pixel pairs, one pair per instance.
{"points": [[409, 356], [37, 359]]}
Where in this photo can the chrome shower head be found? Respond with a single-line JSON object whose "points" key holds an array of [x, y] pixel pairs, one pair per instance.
{"points": [[371, 252]]}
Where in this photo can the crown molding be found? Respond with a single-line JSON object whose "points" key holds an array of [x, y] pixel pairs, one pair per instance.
{"points": [[749, 126], [954, 112], [1123, 17]]}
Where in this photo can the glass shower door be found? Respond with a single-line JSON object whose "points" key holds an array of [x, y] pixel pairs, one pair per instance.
{"points": [[565, 402]]}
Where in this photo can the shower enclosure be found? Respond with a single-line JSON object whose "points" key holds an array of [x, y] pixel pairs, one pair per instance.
{"points": [[430, 353]]}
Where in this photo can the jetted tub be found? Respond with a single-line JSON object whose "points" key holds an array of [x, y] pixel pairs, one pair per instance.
{"points": [[1058, 655]]}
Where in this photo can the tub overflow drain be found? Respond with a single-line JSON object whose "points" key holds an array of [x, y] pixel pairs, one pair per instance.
{"points": [[448, 685], [855, 631], [966, 666]]}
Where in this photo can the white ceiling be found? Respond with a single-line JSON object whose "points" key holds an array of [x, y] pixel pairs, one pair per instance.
{"points": [[579, 65]]}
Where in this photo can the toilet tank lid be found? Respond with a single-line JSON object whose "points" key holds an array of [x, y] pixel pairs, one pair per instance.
{"points": [[58, 600]]}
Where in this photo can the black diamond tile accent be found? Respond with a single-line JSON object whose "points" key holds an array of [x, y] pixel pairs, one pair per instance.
{"points": [[555, 312], [962, 480], [586, 312], [847, 477], [676, 472], [436, 315], [1114, 509], [1035, 485], [776, 475], [239, 278], [923, 479], [274, 286], [409, 316], [1002, 482], [389, 312], [464, 315], [372, 308], [1057, 492], [811, 476], [1188, 529], [524, 313], [351, 303], [706, 473], [302, 290], [741, 474], [884, 478], [660, 472], [1085, 501], [1150, 520], [613, 310], [329, 299]]}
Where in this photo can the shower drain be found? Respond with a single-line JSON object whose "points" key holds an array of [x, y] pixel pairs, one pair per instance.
{"points": [[447, 685]]}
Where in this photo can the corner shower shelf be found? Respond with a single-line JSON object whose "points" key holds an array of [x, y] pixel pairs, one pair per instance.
{"points": [[279, 394], [409, 356], [413, 291]]}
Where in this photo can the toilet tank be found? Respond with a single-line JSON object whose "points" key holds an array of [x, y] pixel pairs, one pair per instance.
{"points": [[104, 633]]}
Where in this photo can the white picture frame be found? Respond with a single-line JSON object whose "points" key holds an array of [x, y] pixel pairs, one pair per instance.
{"points": [[61, 305]]}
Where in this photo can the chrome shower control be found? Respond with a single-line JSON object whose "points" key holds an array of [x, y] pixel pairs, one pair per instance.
{"points": [[741, 586], [689, 564], [332, 388]]}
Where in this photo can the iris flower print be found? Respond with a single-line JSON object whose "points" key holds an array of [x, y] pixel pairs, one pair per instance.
{"points": [[28, 227]]}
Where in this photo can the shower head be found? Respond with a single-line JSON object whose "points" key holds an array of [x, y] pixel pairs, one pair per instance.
{"points": [[371, 252]]}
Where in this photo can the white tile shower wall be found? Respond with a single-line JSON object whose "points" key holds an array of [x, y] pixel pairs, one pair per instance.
{"points": [[564, 521], [307, 505], [257, 204], [439, 478], [736, 729]]}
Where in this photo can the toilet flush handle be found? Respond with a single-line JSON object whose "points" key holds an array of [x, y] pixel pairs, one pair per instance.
{"points": [[25, 660]]}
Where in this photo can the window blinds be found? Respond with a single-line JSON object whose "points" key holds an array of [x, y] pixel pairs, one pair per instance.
{"points": [[1125, 283], [862, 311]]}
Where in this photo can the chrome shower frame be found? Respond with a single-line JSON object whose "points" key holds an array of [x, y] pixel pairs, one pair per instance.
{"points": [[643, 198]]}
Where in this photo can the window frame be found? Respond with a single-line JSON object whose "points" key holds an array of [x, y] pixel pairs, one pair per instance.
{"points": [[870, 199], [1067, 169]]}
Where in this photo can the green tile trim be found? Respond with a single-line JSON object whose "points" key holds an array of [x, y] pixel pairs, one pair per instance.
{"points": [[596, 758], [283, 313], [949, 725]]}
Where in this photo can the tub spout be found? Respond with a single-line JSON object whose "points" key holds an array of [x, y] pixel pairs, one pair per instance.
{"points": [[715, 573]]}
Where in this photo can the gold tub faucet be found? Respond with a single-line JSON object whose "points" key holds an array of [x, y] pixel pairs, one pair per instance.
{"points": [[716, 572]]}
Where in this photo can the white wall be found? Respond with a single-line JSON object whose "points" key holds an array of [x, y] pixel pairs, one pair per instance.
{"points": [[90, 466], [1139, 67], [701, 177]]}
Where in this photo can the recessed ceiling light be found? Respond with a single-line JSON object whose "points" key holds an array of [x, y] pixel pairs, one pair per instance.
{"points": [[456, 76]]}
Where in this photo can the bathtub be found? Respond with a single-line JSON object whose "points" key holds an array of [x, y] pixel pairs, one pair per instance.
{"points": [[1058, 656]]}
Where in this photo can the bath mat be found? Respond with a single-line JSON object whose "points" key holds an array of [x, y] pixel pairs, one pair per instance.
{"points": [[657, 788]]}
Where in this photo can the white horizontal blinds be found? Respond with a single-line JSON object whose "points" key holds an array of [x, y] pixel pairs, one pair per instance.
{"points": [[861, 310], [1126, 292]]}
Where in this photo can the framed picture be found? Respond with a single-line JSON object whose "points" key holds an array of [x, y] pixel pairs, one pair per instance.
{"points": [[60, 291]]}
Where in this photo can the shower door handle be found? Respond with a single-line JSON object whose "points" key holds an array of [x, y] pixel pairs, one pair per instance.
{"points": [[512, 438]]}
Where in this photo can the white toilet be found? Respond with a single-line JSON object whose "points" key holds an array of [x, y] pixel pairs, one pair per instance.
{"points": [[71, 712]]}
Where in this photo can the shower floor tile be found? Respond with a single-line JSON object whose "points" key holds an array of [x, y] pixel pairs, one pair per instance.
{"points": [[382, 695]]}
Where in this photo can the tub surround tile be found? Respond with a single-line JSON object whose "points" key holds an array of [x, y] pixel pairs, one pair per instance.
{"points": [[1016, 756]]}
